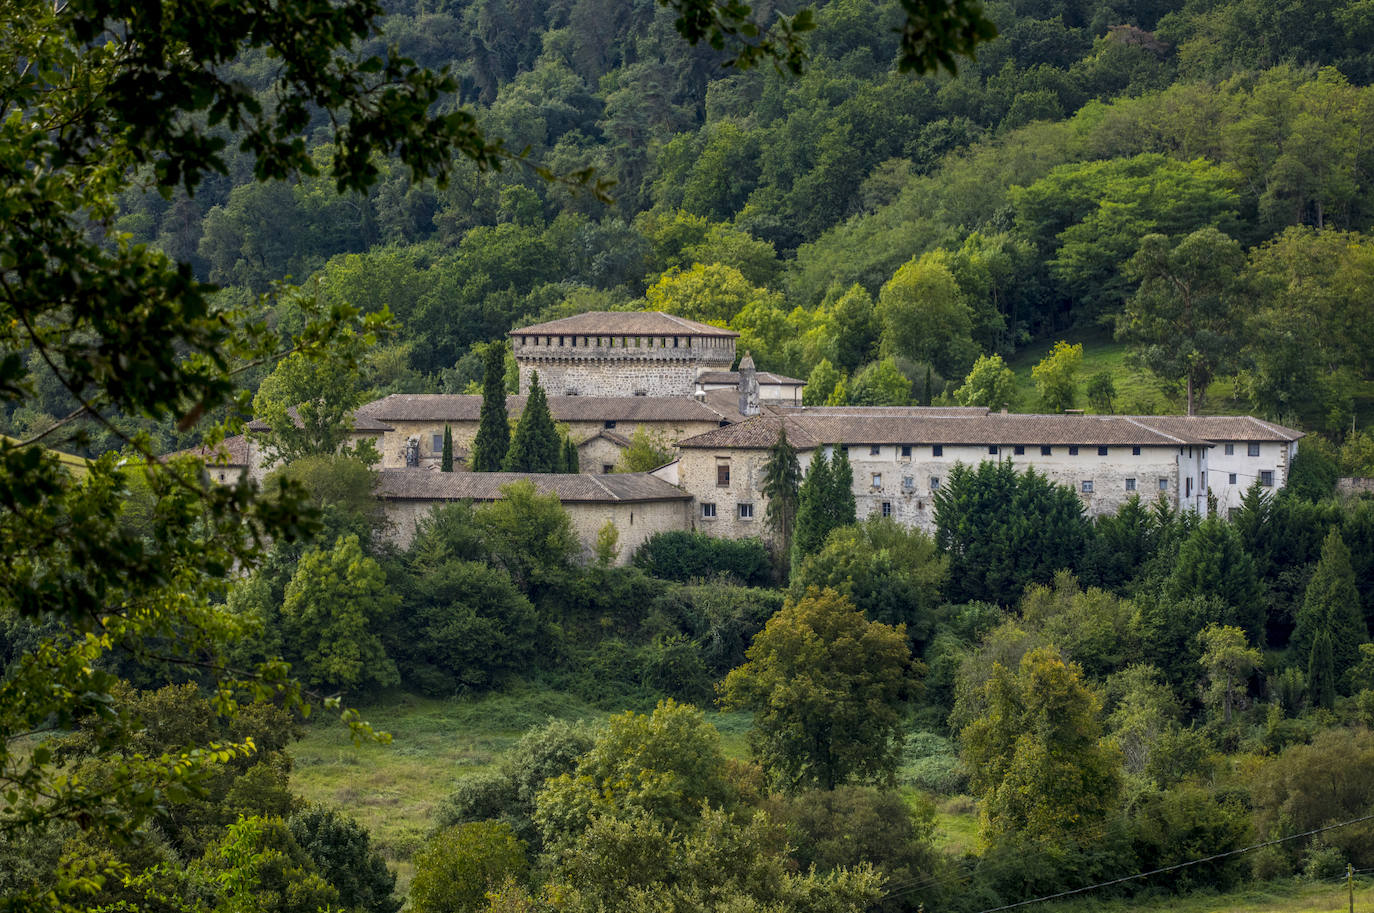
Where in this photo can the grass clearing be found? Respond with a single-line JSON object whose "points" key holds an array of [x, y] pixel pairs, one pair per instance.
{"points": [[1271, 897]]}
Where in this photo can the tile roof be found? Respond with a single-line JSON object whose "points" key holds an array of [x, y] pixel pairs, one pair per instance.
{"points": [[894, 425], [232, 451], [424, 485], [623, 323], [443, 407], [362, 421], [764, 377], [1220, 427]]}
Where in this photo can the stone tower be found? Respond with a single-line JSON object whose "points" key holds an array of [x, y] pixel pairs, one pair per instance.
{"points": [[621, 353]]}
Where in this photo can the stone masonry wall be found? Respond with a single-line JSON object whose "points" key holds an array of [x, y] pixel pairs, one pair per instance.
{"points": [[612, 378]]}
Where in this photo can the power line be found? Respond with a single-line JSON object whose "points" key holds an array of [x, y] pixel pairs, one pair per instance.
{"points": [[1176, 866]]}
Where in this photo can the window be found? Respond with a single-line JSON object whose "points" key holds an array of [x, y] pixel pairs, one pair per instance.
{"points": [[1073, 451], [746, 510], [1230, 449], [908, 482], [708, 511], [1163, 484], [992, 449], [437, 443], [875, 450], [887, 508], [1252, 448], [1135, 451], [937, 450], [722, 475], [607, 469], [1018, 450], [1231, 479], [906, 450], [609, 423], [1267, 478], [1087, 486], [1188, 487], [1046, 451], [934, 482], [877, 480], [1101, 451], [1130, 484]]}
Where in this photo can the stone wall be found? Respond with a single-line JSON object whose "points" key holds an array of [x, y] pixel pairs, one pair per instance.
{"points": [[635, 521], [612, 378], [619, 365], [1354, 488]]}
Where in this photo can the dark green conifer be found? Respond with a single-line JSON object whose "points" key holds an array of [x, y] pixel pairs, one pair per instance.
{"points": [[535, 447], [840, 506], [1321, 672], [493, 426], [571, 462], [813, 523], [781, 486], [1332, 606], [446, 461]]}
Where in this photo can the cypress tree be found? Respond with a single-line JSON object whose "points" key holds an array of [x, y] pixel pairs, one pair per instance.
{"points": [[493, 426], [571, 462], [840, 506], [535, 446], [1321, 672], [781, 486], [812, 523], [1332, 606], [446, 461]]}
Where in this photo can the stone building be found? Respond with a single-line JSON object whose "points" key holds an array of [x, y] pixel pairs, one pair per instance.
{"points": [[637, 503], [900, 456], [621, 353]]}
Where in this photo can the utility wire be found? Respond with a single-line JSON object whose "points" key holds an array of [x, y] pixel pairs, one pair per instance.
{"points": [[1176, 866]]}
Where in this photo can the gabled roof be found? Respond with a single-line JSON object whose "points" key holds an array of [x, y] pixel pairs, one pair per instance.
{"points": [[232, 451], [443, 407], [613, 488], [912, 425], [1220, 427], [764, 377], [623, 323], [362, 422]]}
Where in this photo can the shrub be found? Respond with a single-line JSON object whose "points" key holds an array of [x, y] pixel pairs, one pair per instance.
{"points": [[686, 556], [458, 865]]}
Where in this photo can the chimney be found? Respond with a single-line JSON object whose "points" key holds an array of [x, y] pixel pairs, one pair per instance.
{"points": [[748, 386]]}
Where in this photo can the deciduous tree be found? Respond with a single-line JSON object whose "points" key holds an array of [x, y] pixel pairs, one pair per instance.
{"points": [[991, 383]]}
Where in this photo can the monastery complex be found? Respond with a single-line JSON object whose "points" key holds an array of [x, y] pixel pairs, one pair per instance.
{"points": [[609, 374]]}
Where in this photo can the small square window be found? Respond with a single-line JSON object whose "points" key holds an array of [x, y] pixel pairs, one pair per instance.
{"points": [[934, 482], [1087, 486], [1130, 484], [609, 423], [1135, 451], [746, 511], [1046, 451], [992, 450], [607, 469], [1231, 479], [1252, 448], [1073, 451], [1230, 449], [1267, 478], [1163, 484], [437, 443], [1018, 450], [887, 508], [908, 481], [708, 511], [875, 450], [1101, 451], [906, 450], [877, 480], [937, 450], [722, 475]]}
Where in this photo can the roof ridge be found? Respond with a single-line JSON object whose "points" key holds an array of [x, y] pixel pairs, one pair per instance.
{"points": [[603, 486], [1139, 424]]}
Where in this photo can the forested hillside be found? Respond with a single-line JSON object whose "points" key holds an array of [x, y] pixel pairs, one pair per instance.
{"points": [[1093, 159]]}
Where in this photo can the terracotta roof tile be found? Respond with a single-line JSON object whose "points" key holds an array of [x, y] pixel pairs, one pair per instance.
{"points": [[1220, 427], [232, 451], [424, 485], [764, 377], [441, 407], [362, 422], [623, 323]]}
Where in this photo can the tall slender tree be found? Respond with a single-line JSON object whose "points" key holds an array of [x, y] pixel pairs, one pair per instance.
{"points": [[571, 462], [535, 446], [840, 505], [446, 461], [1332, 605], [782, 487], [493, 426], [812, 524]]}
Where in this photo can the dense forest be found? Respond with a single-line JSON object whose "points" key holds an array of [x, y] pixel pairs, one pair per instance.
{"points": [[1089, 700]]}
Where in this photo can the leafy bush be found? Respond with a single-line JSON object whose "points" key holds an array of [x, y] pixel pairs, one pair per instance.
{"points": [[931, 763], [459, 865], [687, 556]]}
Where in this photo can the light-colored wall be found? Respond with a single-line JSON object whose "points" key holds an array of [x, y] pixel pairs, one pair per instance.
{"points": [[1274, 456], [619, 365], [912, 504], [634, 521], [597, 453]]}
